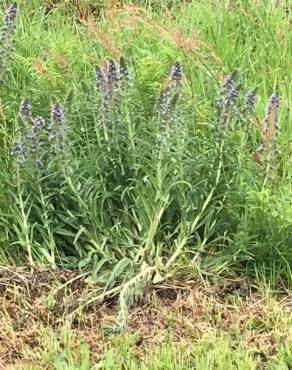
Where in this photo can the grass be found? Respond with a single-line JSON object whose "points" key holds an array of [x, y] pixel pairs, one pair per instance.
{"points": [[232, 324], [143, 180]]}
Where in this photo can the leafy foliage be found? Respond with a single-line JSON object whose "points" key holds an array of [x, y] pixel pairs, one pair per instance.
{"points": [[121, 171]]}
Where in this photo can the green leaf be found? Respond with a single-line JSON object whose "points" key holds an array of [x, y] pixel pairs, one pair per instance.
{"points": [[117, 271]]}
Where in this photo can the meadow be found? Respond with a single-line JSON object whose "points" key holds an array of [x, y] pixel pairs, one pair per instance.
{"points": [[145, 182]]}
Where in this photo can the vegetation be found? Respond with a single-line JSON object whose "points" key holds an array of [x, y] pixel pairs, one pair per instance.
{"points": [[231, 325], [147, 140]]}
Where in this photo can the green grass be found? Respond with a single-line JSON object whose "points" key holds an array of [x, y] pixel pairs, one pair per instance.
{"points": [[110, 205]]}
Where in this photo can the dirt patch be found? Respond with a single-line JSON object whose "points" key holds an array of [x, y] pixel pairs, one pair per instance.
{"points": [[33, 302]]}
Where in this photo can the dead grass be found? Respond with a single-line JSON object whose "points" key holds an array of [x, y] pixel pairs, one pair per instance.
{"points": [[37, 303]]}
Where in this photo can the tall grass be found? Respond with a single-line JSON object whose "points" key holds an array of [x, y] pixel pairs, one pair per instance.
{"points": [[145, 162]]}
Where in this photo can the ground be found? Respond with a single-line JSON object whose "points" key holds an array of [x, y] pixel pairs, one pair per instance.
{"points": [[46, 323]]}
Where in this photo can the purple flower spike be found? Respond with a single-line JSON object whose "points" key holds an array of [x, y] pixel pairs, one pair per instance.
{"points": [[57, 114], [227, 101], [124, 72], [99, 79], [39, 123], [10, 15], [250, 102], [271, 129], [272, 115], [38, 142], [25, 110], [57, 130], [171, 117], [39, 162], [112, 72], [176, 72], [6, 40]]}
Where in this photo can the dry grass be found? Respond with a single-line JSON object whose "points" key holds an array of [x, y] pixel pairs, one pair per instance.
{"points": [[36, 304]]}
